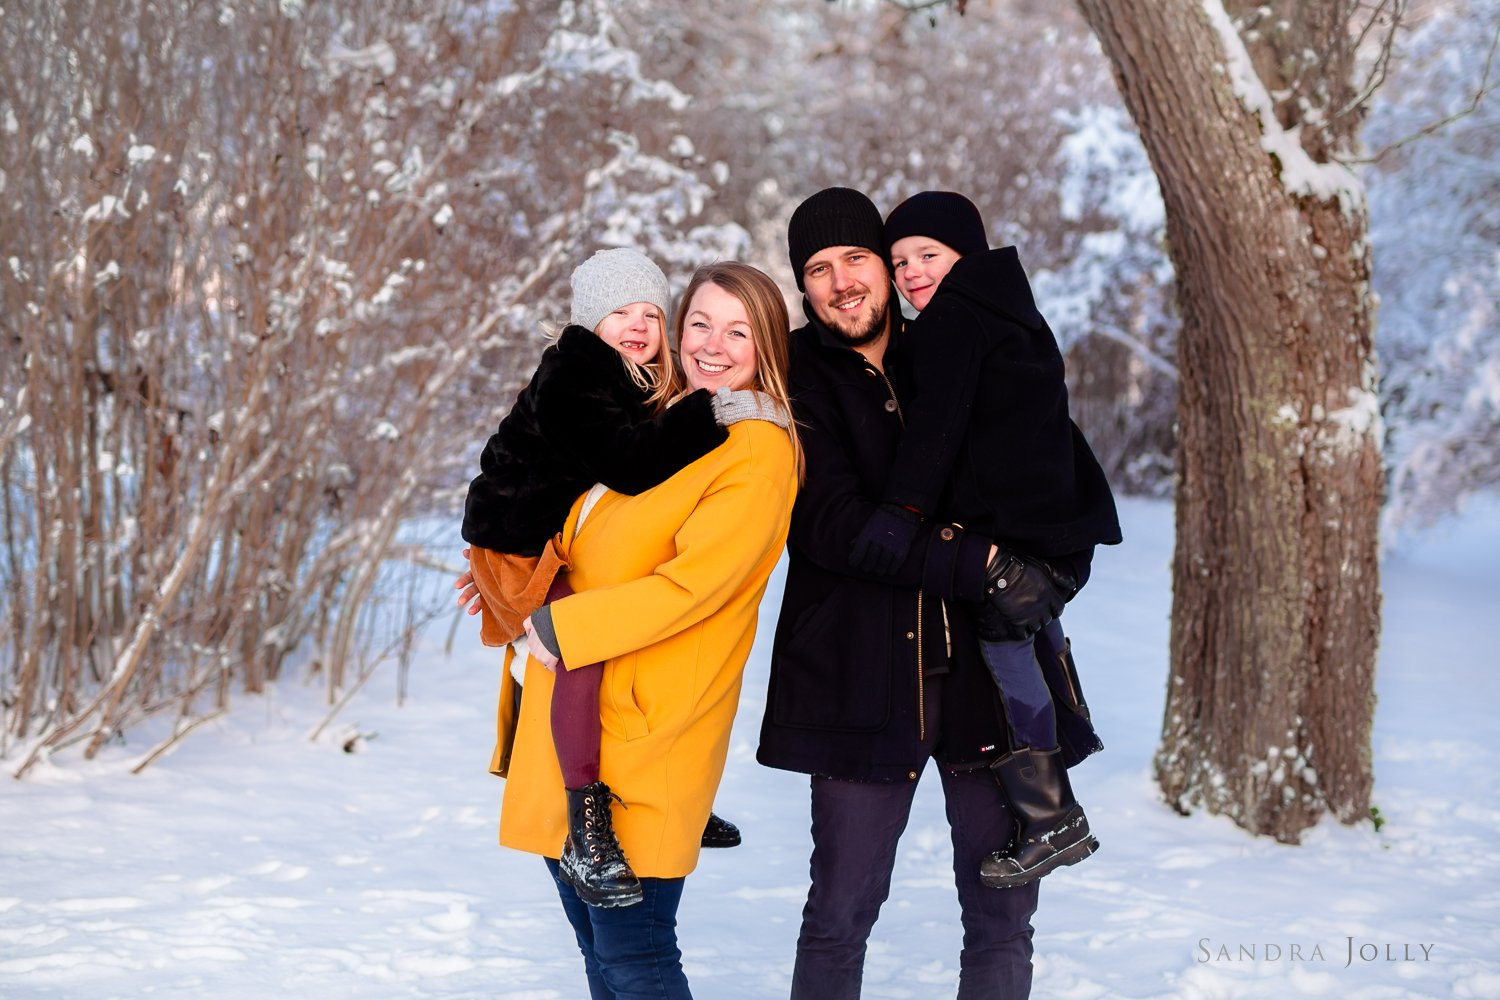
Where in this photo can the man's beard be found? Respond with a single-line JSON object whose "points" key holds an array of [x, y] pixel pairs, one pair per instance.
{"points": [[867, 332]]}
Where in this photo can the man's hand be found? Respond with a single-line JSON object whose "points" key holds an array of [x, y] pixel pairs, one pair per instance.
{"points": [[882, 546], [468, 590], [1021, 596]]}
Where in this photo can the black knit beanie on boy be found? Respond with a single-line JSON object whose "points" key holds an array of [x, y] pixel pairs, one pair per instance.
{"points": [[834, 217], [944, 216]]}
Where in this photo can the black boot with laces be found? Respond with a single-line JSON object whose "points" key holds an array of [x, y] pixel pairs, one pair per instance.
{"points": [[592, 861]]}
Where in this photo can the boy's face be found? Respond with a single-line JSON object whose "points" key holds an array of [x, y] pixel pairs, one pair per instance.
{"points": [[920, 264]]}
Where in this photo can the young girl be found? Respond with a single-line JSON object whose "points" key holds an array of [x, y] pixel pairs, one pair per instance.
{"points": [[592, 413], [988, 431]]}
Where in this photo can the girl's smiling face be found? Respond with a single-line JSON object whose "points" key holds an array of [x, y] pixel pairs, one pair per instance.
{"points": [[717, 348], [634, 330]]}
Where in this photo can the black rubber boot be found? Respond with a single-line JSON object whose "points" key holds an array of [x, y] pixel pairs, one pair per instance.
{"points": [[592, 862], [1053, 831], [719, 832]]}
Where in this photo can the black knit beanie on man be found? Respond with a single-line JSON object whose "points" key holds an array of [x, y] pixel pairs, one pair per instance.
{"points": [[834, 217], [944, 216]]}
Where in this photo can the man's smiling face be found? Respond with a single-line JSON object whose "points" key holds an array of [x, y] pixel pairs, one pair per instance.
{"points": [[850, 291]]}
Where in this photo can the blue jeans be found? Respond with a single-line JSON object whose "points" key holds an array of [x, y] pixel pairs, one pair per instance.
{"points": [[1028, 702], [629, 952]]}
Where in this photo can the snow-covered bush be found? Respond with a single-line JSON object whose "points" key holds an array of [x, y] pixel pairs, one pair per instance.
{"points": [[1435, 226], [270, 273]]}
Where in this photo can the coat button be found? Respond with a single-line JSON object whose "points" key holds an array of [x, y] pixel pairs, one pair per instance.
{"points": [[911, 775], [890, 406], [946, 534], [911, 635]]}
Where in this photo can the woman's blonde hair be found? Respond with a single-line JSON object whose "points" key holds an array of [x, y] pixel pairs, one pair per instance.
{"points": [[770, 330]]}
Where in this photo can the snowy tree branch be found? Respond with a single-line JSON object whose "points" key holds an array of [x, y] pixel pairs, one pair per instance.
{"points": [[1481, 91]]}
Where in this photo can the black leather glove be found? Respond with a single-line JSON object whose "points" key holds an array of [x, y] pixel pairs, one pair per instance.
{"points": [[882, 546], [1021, 595]]}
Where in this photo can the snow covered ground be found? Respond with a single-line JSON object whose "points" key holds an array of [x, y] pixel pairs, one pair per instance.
{"points": [[252, 863]]}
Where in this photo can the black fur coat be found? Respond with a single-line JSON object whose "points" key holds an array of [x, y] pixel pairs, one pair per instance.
{"points": [[579, 421], [988, 440]]}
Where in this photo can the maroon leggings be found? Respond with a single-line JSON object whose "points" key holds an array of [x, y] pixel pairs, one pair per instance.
{"points": [[575, 712]]}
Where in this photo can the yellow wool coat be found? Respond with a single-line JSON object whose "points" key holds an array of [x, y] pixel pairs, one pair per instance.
{"points": [[668, 586]]}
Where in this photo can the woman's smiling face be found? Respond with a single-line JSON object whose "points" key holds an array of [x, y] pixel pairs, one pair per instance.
{"points": [[717, 347]]}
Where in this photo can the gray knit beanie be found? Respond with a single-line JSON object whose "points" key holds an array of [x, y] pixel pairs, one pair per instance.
{"points": [[614, 278]]}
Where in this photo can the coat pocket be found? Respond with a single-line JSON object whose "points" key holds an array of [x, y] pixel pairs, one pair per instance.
{"points": [[620, 714], [832, 667]]}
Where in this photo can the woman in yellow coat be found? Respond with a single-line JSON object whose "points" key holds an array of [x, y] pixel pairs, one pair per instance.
{"points": [[667, 586]]}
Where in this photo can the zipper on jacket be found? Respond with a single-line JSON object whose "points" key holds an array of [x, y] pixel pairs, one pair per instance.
{"points": [[1064, 657], [892, 390], [921, 680], [921, 689]]}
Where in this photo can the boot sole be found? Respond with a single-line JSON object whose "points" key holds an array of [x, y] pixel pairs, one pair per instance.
{"points": [[721, 842], [603, 900], [1070, 855]]}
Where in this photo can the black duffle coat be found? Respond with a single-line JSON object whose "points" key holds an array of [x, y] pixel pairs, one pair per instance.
{"points": [[853, 655], [989, 442]]}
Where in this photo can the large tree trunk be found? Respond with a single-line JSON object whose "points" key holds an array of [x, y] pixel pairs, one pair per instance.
{"points": [[1275, 613]]}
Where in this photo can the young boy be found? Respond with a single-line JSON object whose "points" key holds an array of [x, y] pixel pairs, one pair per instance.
{"points": [[988, 439]]}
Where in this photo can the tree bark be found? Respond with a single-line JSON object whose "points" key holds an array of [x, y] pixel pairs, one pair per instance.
{"points": [[1275, 613]]}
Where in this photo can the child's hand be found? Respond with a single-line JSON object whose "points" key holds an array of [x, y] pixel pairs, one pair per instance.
{"points": [[733, 405], [1021, 595], [468, 590]]}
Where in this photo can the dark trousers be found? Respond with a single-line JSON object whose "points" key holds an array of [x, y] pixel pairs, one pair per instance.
{"points": [[1028, 702], [855, 827], [629, 952]]}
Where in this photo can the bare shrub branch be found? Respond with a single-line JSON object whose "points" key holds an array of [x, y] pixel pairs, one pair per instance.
{"points": [[271, 271]]}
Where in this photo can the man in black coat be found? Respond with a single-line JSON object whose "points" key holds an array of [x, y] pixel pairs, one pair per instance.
{"points": [[872, 675]]}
